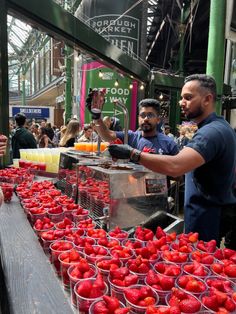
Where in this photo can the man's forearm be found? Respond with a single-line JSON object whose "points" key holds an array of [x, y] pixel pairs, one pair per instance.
{"points": [[103, 131]]}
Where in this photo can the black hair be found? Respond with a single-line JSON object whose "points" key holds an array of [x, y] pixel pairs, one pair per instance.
{"points": [[205, 81], [87, 127], [149, 102], [20, 119]]}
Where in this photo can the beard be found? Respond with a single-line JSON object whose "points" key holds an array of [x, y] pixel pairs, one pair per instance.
{"points": [[147, 127], [194, 114]]}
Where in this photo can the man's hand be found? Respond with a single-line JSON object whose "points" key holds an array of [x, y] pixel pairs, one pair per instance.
{"points": [[3, 144], [95, 102], [124, 152]]}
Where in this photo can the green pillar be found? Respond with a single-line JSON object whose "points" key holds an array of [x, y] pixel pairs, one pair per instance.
{"points": [[181, 47], [68, 85], [23, 95], [4, 97], [174, 115], [216, 46]]}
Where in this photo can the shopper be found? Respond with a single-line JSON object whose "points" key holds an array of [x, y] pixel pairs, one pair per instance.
{"points": [[87, 135], [3, 144], [209, 161], [22, 138], [43, 139], [146, 138], [183, 139], [113, 123], [71, 134]]}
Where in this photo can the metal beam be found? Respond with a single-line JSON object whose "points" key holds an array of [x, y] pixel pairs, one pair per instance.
{"points": [[57, 22]]}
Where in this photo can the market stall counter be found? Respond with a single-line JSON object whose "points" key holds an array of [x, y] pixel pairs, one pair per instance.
{"points": [[28, 281]]}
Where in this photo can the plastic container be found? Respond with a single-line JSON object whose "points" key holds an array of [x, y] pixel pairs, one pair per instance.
{"points": [[105, 272], [56, 252], [55, 217], [74, 280], [117, 291], [83, 304], [135, 309], [91, 258], [196, 294], [91, 308], [161, 293]]}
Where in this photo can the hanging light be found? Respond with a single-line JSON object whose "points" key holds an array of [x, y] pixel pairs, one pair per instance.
{"points": [[116, 83], [130, 85], [161, 96], [142, 87], [100, 74]]}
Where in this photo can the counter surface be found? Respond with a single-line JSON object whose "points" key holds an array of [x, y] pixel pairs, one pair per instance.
{"points": [[31, 285]]}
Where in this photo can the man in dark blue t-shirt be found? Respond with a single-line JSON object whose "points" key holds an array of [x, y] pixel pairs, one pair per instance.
{"points": [[147, 138], [209, 161]]}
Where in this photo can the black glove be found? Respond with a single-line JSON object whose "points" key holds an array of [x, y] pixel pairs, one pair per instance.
{"points": [[124, 152]]}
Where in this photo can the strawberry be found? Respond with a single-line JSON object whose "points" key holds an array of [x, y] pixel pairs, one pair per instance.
{"points": [[230, 270], [124, 310], [84, 288], [132, 295], [111, 303], [190, 305], [100, 308], [160, 233], [210, 302], [130, 280], [229, 305], [166, 282], [149, 301], [95, 292], [99, 282]]}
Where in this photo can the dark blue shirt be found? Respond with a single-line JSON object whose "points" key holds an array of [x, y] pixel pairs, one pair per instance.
{"points": [[159, 144], [211, 186]]}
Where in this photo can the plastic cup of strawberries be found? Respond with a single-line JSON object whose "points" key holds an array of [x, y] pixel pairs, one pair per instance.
{"points": [[88, 291], [78, 272], [55, 249], [139, 297], [7, 189]]}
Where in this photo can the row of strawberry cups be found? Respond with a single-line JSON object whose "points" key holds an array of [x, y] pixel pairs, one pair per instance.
{"points": [[118, 290]]}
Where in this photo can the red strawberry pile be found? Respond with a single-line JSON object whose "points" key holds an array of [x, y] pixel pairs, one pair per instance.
{"points": [[191, 284], [122, 277], [226, 269], [15, 175], [185, 302], [89, 289], [143, 234], [7, 190], [139, 265], [196, 269], [56, 248], [140, 296], [106, 264], [108, 242], [218, 301], [159, 282], [132, 244], [66, 223], [93, 252], [182, 246], [121, 252], [163, 310], [80, 241], [202, 257], [148, 252], [170, 237], [86, 224], [96, 233], [224, 254], [82, 270], [109, 305], [191, 237], [118, 233], [168, 269], [175, 257], [43, 225], [221, 284], [208, 247]]}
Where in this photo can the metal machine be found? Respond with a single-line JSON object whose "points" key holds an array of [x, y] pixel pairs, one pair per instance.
{"points": [[126, 195]]}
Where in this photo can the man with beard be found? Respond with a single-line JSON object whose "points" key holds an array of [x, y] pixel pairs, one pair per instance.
{"points": [[147, 138], [208, 160]]}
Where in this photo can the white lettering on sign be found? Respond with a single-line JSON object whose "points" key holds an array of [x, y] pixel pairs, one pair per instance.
{"points": [[118, 91], [122, 99], [29, 110]]}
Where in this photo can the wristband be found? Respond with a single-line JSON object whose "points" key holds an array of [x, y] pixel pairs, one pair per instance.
{"points": [[135, 155]]}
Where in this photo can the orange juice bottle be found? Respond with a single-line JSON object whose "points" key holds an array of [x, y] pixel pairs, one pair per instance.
{"points": [[104, 146], [89, 147], [95, 147]]}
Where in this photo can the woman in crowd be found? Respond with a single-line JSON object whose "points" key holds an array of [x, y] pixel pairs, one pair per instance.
{"points": [[43, 139], [71, 134]]}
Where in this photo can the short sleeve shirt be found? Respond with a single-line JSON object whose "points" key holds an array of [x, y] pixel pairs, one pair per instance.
{"points": [[158, 144], [215, 140]]}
